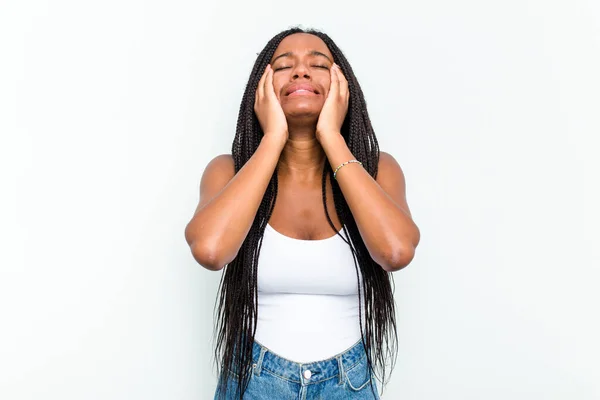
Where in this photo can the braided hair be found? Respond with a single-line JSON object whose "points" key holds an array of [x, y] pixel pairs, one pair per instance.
{"points": [[236, 313]]}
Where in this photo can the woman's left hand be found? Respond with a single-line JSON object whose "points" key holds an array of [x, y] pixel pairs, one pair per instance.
{"points": [[336, 106]]}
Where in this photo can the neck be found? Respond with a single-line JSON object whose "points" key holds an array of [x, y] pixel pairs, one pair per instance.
{"points": [[303, 157]]}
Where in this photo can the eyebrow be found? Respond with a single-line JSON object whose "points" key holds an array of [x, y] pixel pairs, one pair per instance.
{"points": [[312, 53]]}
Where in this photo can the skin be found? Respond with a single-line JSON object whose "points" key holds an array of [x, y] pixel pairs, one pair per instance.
{"points": [[302, 133]]}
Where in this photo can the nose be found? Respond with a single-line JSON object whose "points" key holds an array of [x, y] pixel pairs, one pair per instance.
{"points": [[300, 71]]}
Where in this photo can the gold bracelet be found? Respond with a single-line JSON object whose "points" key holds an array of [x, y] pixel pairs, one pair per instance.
{"points": [[347, 162]]}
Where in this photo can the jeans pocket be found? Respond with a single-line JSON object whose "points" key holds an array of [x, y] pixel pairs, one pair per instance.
{"points": [[232, 384], [233, 371], [357, 377]]}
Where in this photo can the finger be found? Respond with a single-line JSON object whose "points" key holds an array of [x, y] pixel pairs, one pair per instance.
{"points": [[342, 82], [261, 84], [335, 81], [269, 90]]}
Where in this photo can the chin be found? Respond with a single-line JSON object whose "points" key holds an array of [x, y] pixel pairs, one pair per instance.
{"points": [[303, 111], [302, 118]]}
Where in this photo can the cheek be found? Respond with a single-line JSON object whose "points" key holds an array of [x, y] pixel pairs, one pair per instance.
{"points": [[325, 84], [278, 84]]}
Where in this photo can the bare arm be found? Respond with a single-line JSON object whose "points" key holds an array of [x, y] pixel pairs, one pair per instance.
{"points": [[229, 201], [378, 205], [228, 204]]}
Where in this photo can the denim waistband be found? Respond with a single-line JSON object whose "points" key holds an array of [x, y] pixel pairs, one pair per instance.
{"points": [[264, 358]]}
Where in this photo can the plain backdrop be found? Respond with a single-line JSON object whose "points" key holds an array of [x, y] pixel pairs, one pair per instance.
{"points": [[109, 112]]}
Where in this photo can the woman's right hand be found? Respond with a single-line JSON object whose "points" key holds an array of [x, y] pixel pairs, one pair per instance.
{"points": [[268, 110]]}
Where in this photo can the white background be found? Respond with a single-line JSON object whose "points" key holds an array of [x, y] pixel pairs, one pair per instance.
{"points": [[109, 112]]}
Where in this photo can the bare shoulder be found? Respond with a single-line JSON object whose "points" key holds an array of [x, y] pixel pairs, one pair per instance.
{"points": [[388, 167], [217, 174], [222, 163]]}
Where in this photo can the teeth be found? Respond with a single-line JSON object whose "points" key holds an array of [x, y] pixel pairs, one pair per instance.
{"points": [[301, 90]]}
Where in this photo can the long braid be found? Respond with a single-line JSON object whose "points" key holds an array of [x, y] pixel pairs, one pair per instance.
{"points": [[236, 314], [380, 314]]}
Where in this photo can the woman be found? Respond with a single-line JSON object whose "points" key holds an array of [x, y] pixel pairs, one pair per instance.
{"points": [[309, 219]]}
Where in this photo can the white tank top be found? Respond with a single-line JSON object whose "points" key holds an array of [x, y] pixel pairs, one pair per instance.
{"points": [[307, 297]]}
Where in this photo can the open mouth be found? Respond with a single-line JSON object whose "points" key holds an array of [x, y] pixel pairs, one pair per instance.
{"points": [[301, 89], [301, 92]]}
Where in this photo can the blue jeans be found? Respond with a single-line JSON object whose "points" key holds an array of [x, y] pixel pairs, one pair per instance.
{"points": [[342, 377]]}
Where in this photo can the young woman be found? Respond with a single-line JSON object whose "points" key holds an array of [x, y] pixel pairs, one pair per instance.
{"points": [[308, 219]]}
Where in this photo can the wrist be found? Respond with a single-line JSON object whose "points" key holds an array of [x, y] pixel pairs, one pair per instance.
{"points": [[275, 140], [327, 139]]}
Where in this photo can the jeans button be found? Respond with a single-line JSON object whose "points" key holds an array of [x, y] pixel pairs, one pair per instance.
{"points": [[307, 374]]}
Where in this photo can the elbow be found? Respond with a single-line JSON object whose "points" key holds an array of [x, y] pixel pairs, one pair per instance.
{"points": [[401, 253], [207, 257], [205, 254], [397, 258]]}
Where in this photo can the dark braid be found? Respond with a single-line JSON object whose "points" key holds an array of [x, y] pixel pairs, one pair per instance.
{"points": [[236, 314]]}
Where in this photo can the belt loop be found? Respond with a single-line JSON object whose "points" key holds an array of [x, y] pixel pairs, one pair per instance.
{"points": [[257, 366], [341, 369]]}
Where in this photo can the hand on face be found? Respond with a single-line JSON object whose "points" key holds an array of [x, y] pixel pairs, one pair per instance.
{"points": [[336, 105], [268, 110]]}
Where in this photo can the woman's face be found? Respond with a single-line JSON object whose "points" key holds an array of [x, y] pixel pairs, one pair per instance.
{"points": [[301, 75]]}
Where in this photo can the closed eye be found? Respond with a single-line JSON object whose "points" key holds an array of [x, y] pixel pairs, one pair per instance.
{"points": [[314, 66]]}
